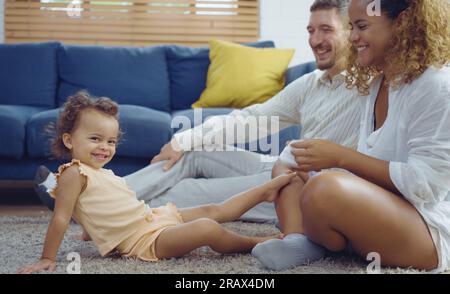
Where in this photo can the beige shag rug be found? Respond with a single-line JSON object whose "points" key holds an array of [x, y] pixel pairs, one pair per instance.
{"points": [[21, 240]]}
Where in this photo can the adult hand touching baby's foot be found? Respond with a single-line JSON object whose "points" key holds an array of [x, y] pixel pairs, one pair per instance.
{"points": [[275, 185]]}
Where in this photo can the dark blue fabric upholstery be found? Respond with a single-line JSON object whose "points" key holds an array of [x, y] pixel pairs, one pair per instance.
{"points": [[28, 74], [38, 137], [136, 76], [145, 131], [13, 121]]}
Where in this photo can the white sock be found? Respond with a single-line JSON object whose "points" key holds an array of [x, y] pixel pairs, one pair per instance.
{"points": [[50, 182], [293, 250]]}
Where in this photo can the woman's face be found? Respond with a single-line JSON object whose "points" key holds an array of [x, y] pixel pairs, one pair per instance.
{"points": [[370, 35]]}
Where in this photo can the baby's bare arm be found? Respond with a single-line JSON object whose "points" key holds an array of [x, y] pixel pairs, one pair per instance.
{"points": [[69, 188]]}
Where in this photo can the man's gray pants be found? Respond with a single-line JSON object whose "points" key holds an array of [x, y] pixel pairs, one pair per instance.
{"points": [[202, 177]]}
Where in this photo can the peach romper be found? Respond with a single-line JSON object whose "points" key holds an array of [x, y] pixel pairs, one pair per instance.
{"points": [[111, 214]]}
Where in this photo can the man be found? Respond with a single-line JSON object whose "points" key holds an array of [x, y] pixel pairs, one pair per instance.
{"points": [[319, 102]]}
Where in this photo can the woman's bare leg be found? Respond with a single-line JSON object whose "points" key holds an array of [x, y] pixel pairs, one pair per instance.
{"points": [[287, 205], [288, 209], [338, 208], [236, 206], [295, 248], [182, 239]]}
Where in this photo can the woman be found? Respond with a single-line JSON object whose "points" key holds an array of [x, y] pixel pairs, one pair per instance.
{"points": [[396, 199]]}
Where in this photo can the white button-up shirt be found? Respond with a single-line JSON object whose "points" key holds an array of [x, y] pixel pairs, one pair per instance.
{"points": [[415, 139]]}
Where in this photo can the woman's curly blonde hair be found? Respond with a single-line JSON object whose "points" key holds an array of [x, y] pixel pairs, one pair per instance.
{"points": [[421, 40]]}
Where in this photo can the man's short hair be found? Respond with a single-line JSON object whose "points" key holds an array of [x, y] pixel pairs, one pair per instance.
{"points": [[340, 5]]}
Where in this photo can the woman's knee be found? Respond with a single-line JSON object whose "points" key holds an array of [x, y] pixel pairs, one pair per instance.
{"points": [[321, 200], [323, 194], [291, 192]]}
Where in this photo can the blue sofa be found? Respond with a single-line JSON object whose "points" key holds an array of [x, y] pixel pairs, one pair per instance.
{"points": [[152, 85]]}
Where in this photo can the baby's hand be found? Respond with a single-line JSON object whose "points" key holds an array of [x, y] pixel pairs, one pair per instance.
{"points": [[280, 169], [275, 185], [43, 264]]}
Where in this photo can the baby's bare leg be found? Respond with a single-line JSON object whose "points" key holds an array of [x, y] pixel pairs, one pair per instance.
{"points": [[182, 239], [236, 206]]}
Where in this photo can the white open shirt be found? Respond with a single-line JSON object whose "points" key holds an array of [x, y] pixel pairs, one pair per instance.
{"points": [[415, 139]]}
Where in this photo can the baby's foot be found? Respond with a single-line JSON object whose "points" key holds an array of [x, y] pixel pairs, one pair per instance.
{"points": [[276, 184]]}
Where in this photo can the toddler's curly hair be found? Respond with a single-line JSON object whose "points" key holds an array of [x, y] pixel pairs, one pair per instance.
{"points": [[69, 118]]}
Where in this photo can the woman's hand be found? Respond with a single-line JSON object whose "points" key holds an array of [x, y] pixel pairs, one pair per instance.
{"points": [[316, 155], [43, 264]]}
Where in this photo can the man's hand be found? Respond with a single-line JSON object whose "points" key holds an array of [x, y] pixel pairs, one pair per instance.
{"points": [[43, 264], [171, 152]]}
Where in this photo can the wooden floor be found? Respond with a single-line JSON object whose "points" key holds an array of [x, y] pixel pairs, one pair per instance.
{"points": [[23, 210], [20, 201]]}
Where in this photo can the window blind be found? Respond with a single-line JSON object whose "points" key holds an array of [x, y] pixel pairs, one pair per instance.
{"points": [[131, 22]]}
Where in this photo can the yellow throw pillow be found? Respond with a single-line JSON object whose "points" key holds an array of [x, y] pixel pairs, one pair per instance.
{"points": [[239, 76]]}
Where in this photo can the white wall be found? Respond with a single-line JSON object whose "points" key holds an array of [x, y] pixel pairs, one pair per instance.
{"points": [[284, 22], [2, 11]]}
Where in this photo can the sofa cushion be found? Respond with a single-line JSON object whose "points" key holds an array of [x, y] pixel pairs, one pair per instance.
{"points": [[240, 76], [28, 74], [128, 75], [145, 131], [13, 121], [197, 116], [38, 138], [188, 69], [297, 71]]}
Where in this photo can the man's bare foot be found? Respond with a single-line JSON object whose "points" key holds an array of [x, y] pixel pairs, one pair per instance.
{"points": [[275, 185]]}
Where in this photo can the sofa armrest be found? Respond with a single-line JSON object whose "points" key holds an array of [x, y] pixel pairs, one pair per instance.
{"points": [[297, 71]]}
